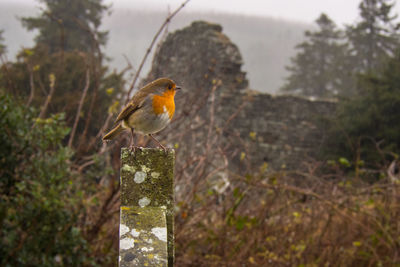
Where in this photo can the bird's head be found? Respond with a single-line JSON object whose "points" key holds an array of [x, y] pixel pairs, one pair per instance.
{"points": [[164, 86]]}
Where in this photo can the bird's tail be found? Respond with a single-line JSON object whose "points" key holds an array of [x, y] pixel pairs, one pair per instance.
{"points": [[114, 132]]}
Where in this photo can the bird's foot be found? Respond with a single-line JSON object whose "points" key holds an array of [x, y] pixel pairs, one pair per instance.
{"points": [[132, 148], [163, 148]]}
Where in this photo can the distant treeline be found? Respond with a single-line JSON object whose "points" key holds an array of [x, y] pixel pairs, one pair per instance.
{"points": [[266, 44]]}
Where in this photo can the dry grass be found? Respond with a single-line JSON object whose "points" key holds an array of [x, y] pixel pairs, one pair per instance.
{"points": [[291, 219]]}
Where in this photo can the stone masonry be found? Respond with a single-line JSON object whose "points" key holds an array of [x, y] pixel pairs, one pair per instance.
{"points": [[281, 131]]}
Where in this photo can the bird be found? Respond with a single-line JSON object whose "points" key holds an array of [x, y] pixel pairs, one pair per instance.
{"points": [[149, 111]]}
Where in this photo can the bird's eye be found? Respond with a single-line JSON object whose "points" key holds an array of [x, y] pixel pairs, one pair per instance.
{"points": [[169, 87]]}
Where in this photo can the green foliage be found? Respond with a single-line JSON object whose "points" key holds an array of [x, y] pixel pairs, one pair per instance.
{"points": [[53, 212], [315, 66], [344, 162], [32, 72], [367, 129], [68, 48], [40, 199], [69, 25], [67, 55]]}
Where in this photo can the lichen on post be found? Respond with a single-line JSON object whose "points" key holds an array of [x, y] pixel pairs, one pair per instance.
{"points": [[147, 215]]}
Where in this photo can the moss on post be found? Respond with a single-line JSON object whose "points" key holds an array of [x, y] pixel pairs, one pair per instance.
{"points": [[147, 215]]}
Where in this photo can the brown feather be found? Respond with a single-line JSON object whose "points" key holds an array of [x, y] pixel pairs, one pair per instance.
{"points": [[141, 95], [114, 132]]}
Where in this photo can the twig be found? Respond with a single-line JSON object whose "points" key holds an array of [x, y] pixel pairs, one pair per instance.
{"points": [[78, 112], [96, 60], [212, 119], [100, 133], [128, 64], [164, 35], [84, 165], [238, 110], [167, 20], [32, 85], [49, 96], [335, 205]]}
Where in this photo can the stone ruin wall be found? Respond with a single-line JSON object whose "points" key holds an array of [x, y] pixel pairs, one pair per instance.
{"points": [[279, 130]]}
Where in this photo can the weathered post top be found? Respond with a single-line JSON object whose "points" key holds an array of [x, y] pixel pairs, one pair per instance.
{"points": [[147, 215]]}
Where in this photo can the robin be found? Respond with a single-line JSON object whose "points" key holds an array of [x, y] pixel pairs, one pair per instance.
{"points": [[149, 111]]}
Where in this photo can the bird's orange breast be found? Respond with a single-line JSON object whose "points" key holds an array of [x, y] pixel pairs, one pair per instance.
{"points": [[164, 103]]}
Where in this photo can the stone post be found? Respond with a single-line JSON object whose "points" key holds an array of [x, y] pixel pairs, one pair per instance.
{"points": [[147, 208]]}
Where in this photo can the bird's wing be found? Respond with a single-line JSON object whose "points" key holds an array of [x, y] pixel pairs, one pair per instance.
{"points": [[128, 110], [136, 103]]}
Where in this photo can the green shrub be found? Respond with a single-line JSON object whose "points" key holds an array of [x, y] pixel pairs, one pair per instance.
{"points": [[40, 201]]}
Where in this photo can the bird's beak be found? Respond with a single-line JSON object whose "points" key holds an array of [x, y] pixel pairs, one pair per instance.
{"points": [[178, 88]]}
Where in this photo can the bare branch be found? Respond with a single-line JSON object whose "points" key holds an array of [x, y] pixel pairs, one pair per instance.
{"points": [[78, 112], [52, 79], [166, 22], [32, 85], [95, 63]]}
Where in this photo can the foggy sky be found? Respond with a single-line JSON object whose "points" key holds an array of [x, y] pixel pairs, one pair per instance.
{"points": [[341, 11]]}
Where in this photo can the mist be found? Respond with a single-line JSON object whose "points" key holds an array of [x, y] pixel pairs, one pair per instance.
{"points": [[266, 44]]}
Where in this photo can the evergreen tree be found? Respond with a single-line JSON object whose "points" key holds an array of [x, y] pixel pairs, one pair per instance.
{"points": [[69, 24], [375, 38], [313, 69], [369, 124], [73, 23]]}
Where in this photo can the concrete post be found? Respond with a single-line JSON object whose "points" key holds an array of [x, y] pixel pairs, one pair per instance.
{"points": [[147, 208]]}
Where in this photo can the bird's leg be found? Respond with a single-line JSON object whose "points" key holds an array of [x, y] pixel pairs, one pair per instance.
{"points": [[131, 144], [163, 147]]}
